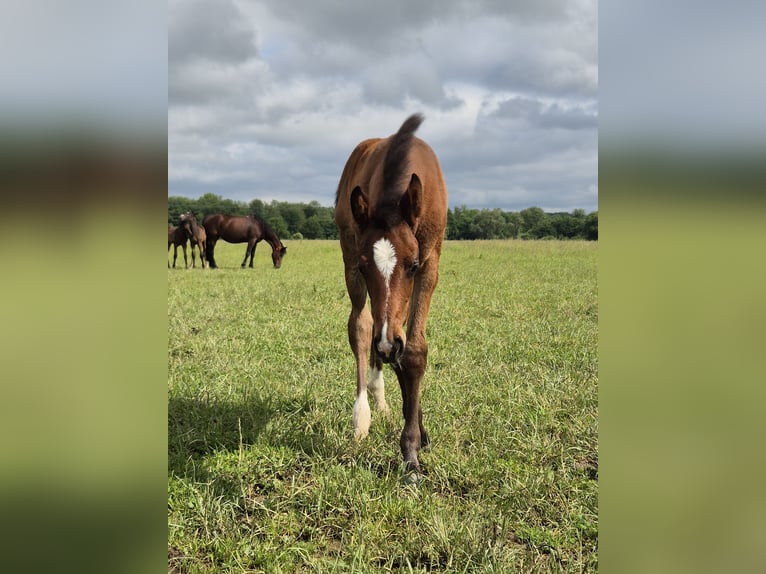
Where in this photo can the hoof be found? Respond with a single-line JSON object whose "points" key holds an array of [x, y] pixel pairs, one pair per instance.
{"points": [[411, 475]]}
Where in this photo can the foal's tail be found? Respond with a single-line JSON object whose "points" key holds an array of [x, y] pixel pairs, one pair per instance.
{"points": [[398, 148]]}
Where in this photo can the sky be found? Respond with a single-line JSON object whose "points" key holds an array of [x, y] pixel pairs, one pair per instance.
{"points": [[267, 99]]}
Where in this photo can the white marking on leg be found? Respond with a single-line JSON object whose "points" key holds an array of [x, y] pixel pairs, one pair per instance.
{"points": [[361, 417], [377, 388]]}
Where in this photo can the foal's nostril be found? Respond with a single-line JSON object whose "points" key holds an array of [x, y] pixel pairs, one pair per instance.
{"points": [[398, 347]]}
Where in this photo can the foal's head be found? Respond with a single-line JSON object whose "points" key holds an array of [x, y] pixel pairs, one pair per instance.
{"points": [[189, 222], [187, 219], [388, 261]]}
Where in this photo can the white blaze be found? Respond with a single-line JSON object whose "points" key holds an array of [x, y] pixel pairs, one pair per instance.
{"points": [[385, 260]]}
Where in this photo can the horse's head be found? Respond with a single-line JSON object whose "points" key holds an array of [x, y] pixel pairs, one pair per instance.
{"points": [[388, 261], [277, 253], [187, 217], [189, 222]]}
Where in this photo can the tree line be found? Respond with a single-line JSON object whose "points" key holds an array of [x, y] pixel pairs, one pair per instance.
{"points": [[314, 221]]}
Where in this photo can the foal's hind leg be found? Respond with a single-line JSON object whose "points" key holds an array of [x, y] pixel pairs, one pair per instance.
{"points": [[412, 366], [203, 254], [375, 382]]}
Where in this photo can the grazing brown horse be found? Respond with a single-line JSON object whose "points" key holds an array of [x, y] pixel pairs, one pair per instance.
{"points": [[391, 212], [196, 235], [177, 236], [248, 229]]}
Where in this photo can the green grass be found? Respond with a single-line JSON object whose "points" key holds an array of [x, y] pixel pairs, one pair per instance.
{"points": [[263, 472]]}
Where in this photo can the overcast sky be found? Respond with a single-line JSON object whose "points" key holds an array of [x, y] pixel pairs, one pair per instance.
{"points": [[267, 99]]}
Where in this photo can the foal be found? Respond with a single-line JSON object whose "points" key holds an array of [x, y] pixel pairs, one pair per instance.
{"points": [[196, 235], [177, 237], [391, 212]]}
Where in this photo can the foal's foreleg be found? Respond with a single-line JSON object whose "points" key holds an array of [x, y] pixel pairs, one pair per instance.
{"points": [[410, 372], [360, 340], [412, 366]]}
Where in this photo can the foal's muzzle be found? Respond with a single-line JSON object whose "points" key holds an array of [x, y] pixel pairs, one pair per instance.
{"points": [[388, 352]]}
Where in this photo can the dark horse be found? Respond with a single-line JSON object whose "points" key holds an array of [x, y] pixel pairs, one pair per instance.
{"points": [[248, 229], [196, 235], [391, 212], [177, 237]]}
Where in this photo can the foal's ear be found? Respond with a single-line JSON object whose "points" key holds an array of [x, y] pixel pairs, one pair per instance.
{"points": [[410, 203], [359, 206]]}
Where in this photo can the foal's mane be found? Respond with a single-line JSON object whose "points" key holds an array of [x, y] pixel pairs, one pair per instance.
{"points": [[394, 170]]}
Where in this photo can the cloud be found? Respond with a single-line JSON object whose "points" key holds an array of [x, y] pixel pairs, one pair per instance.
{"points": [[532, 112], [268, 99], [209, 30]]}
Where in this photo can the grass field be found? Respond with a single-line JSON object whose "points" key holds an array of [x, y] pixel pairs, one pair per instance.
{"points": [[263, 472]]}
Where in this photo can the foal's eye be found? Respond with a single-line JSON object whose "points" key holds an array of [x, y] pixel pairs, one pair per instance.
{"points": [[412, 269]]}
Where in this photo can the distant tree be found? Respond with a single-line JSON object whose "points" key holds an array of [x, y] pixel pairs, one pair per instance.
{"points": [[513, 223], [462, 225], [293, 216], [311, 209], [256, 207], [279, 225], [314, 221], [532, 219], [312, 228], [451, 231], [590, 227], [566, 226], [179, 205], [543, 230], [326, 219], [489, 224], [271, 211], [232, 207], [210, 203]]}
